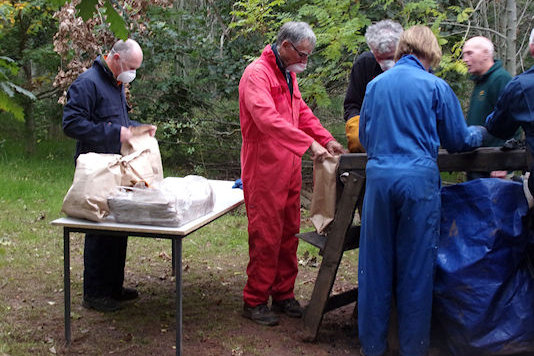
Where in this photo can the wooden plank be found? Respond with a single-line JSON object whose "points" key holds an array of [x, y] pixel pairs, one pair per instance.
{"points": [[314, 239], [333, 252], [341, 299], [482, 159], [352, 239]]}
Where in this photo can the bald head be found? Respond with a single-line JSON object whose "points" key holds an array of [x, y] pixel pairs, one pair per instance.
{"points": [[127, 49], [477, 54], [124, 56]]}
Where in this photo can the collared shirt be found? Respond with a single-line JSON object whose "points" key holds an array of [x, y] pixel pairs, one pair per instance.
{"points": [[280, 65]]}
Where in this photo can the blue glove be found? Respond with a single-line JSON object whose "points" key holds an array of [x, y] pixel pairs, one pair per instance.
{"points": [[483, 131], [238, 184]]}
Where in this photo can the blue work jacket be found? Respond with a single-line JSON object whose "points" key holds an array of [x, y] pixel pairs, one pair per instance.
{"points": [[408, 112], [96, 110], [515, 108]]}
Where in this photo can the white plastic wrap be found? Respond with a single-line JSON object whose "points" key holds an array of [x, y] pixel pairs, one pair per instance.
{"points": [[172, 202]]}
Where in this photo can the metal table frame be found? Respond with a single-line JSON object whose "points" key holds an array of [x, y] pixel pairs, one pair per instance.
{"points": [[229, 201]]}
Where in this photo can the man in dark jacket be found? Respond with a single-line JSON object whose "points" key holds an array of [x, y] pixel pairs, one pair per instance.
{"points": [[490, 78], [96, 115], [382, 39], [514, 110]]}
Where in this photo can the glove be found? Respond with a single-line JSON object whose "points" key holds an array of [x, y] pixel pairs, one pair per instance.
{"points": [[526, 189], [483, 131], [352, 129]]}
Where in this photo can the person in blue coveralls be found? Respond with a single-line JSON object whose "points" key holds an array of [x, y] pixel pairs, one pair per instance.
{"points": [[407, 114], [513, 109]]}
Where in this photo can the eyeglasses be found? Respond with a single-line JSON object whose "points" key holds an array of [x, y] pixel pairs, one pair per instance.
{"points": [[301, 54]]}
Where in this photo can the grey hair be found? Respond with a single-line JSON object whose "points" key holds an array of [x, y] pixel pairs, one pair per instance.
{"points": [[383, 37], [531, 40], [295, 32], [124, 48]]}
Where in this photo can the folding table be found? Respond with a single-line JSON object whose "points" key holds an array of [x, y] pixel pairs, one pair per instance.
{"points": [[226, 199]]}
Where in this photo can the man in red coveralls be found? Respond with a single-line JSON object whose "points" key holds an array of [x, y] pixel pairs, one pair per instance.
{"points": [[277, 129]]}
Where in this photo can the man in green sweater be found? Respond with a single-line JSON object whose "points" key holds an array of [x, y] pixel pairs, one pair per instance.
{"points": [[490, 78]]}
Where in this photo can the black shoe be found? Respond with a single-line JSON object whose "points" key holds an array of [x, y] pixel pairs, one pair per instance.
{"points": [[290, 307], [103, 304], [260, 314], [126, 294]]}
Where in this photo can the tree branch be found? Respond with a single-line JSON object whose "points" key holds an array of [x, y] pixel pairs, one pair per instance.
{"points": [[47, 93], [475, 27]]}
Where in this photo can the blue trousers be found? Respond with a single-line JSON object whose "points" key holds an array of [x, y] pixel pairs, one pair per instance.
{"points": [[398, 246]]}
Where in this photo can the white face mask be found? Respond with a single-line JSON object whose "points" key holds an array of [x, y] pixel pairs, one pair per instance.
{"points": [[386, 64], [297, 67], [126, 76]]}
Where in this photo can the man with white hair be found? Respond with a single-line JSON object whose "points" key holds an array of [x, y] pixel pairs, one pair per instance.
{"points": [[277, 129], [514, 109], [490, 78], [382, 39]]}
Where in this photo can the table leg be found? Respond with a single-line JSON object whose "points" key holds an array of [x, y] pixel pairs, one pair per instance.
{"points": [[173, 258], [178, 268], [66, 281]]}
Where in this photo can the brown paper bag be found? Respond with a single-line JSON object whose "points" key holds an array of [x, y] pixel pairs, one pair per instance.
{"points": [[323, 205], [95, 177], [141, 141], [137, 168]]}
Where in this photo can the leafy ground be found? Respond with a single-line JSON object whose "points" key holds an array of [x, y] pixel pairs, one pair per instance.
{"points": [[214, 263]]}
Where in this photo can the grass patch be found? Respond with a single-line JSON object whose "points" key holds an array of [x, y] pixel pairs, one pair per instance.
{"points": [[214, 274]]}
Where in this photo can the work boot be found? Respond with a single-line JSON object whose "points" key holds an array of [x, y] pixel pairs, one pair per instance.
{"points": [[288, 306], [126, 294], [260, 314], [102, 304]]}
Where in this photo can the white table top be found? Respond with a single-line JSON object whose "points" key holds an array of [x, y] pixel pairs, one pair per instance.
{"points": [[226, 199]]}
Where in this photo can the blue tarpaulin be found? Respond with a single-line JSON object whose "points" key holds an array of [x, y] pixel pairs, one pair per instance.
{"points": [[483, 292]]}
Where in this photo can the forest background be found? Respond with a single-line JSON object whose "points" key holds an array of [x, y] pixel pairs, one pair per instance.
{"points": [[195, 52]]}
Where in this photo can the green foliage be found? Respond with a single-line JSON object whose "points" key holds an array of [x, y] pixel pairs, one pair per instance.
{"points": [[88, 8], [26, 34], [10, 106], [257, 16], [117, 25], [8, 70]]}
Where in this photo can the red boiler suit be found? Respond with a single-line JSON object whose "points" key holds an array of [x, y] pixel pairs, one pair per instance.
{"points": [[277, 129]]}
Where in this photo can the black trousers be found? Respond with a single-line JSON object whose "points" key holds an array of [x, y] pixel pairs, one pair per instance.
{"points": [[104, 258]]}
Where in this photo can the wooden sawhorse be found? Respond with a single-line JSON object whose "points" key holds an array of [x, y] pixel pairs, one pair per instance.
{"points": [[342, 235]]}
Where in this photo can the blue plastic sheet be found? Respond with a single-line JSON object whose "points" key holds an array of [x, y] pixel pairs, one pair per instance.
{"points": [[483, 292]]}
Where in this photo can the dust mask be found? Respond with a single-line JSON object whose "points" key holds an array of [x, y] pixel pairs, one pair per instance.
{"points": [[126, 76], [386, 64], [297, 67]]}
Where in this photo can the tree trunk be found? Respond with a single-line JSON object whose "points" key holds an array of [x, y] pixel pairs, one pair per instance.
{"points": [[29, 121], [28, 105], [511, 36]]}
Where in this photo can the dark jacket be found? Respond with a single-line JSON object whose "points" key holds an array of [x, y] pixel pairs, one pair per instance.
{"points": [[514, 108], [485, 94], [96, 110], [364, 69]]}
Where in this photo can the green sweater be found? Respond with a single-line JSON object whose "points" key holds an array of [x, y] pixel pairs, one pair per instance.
{"points": [[485, 94]]}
